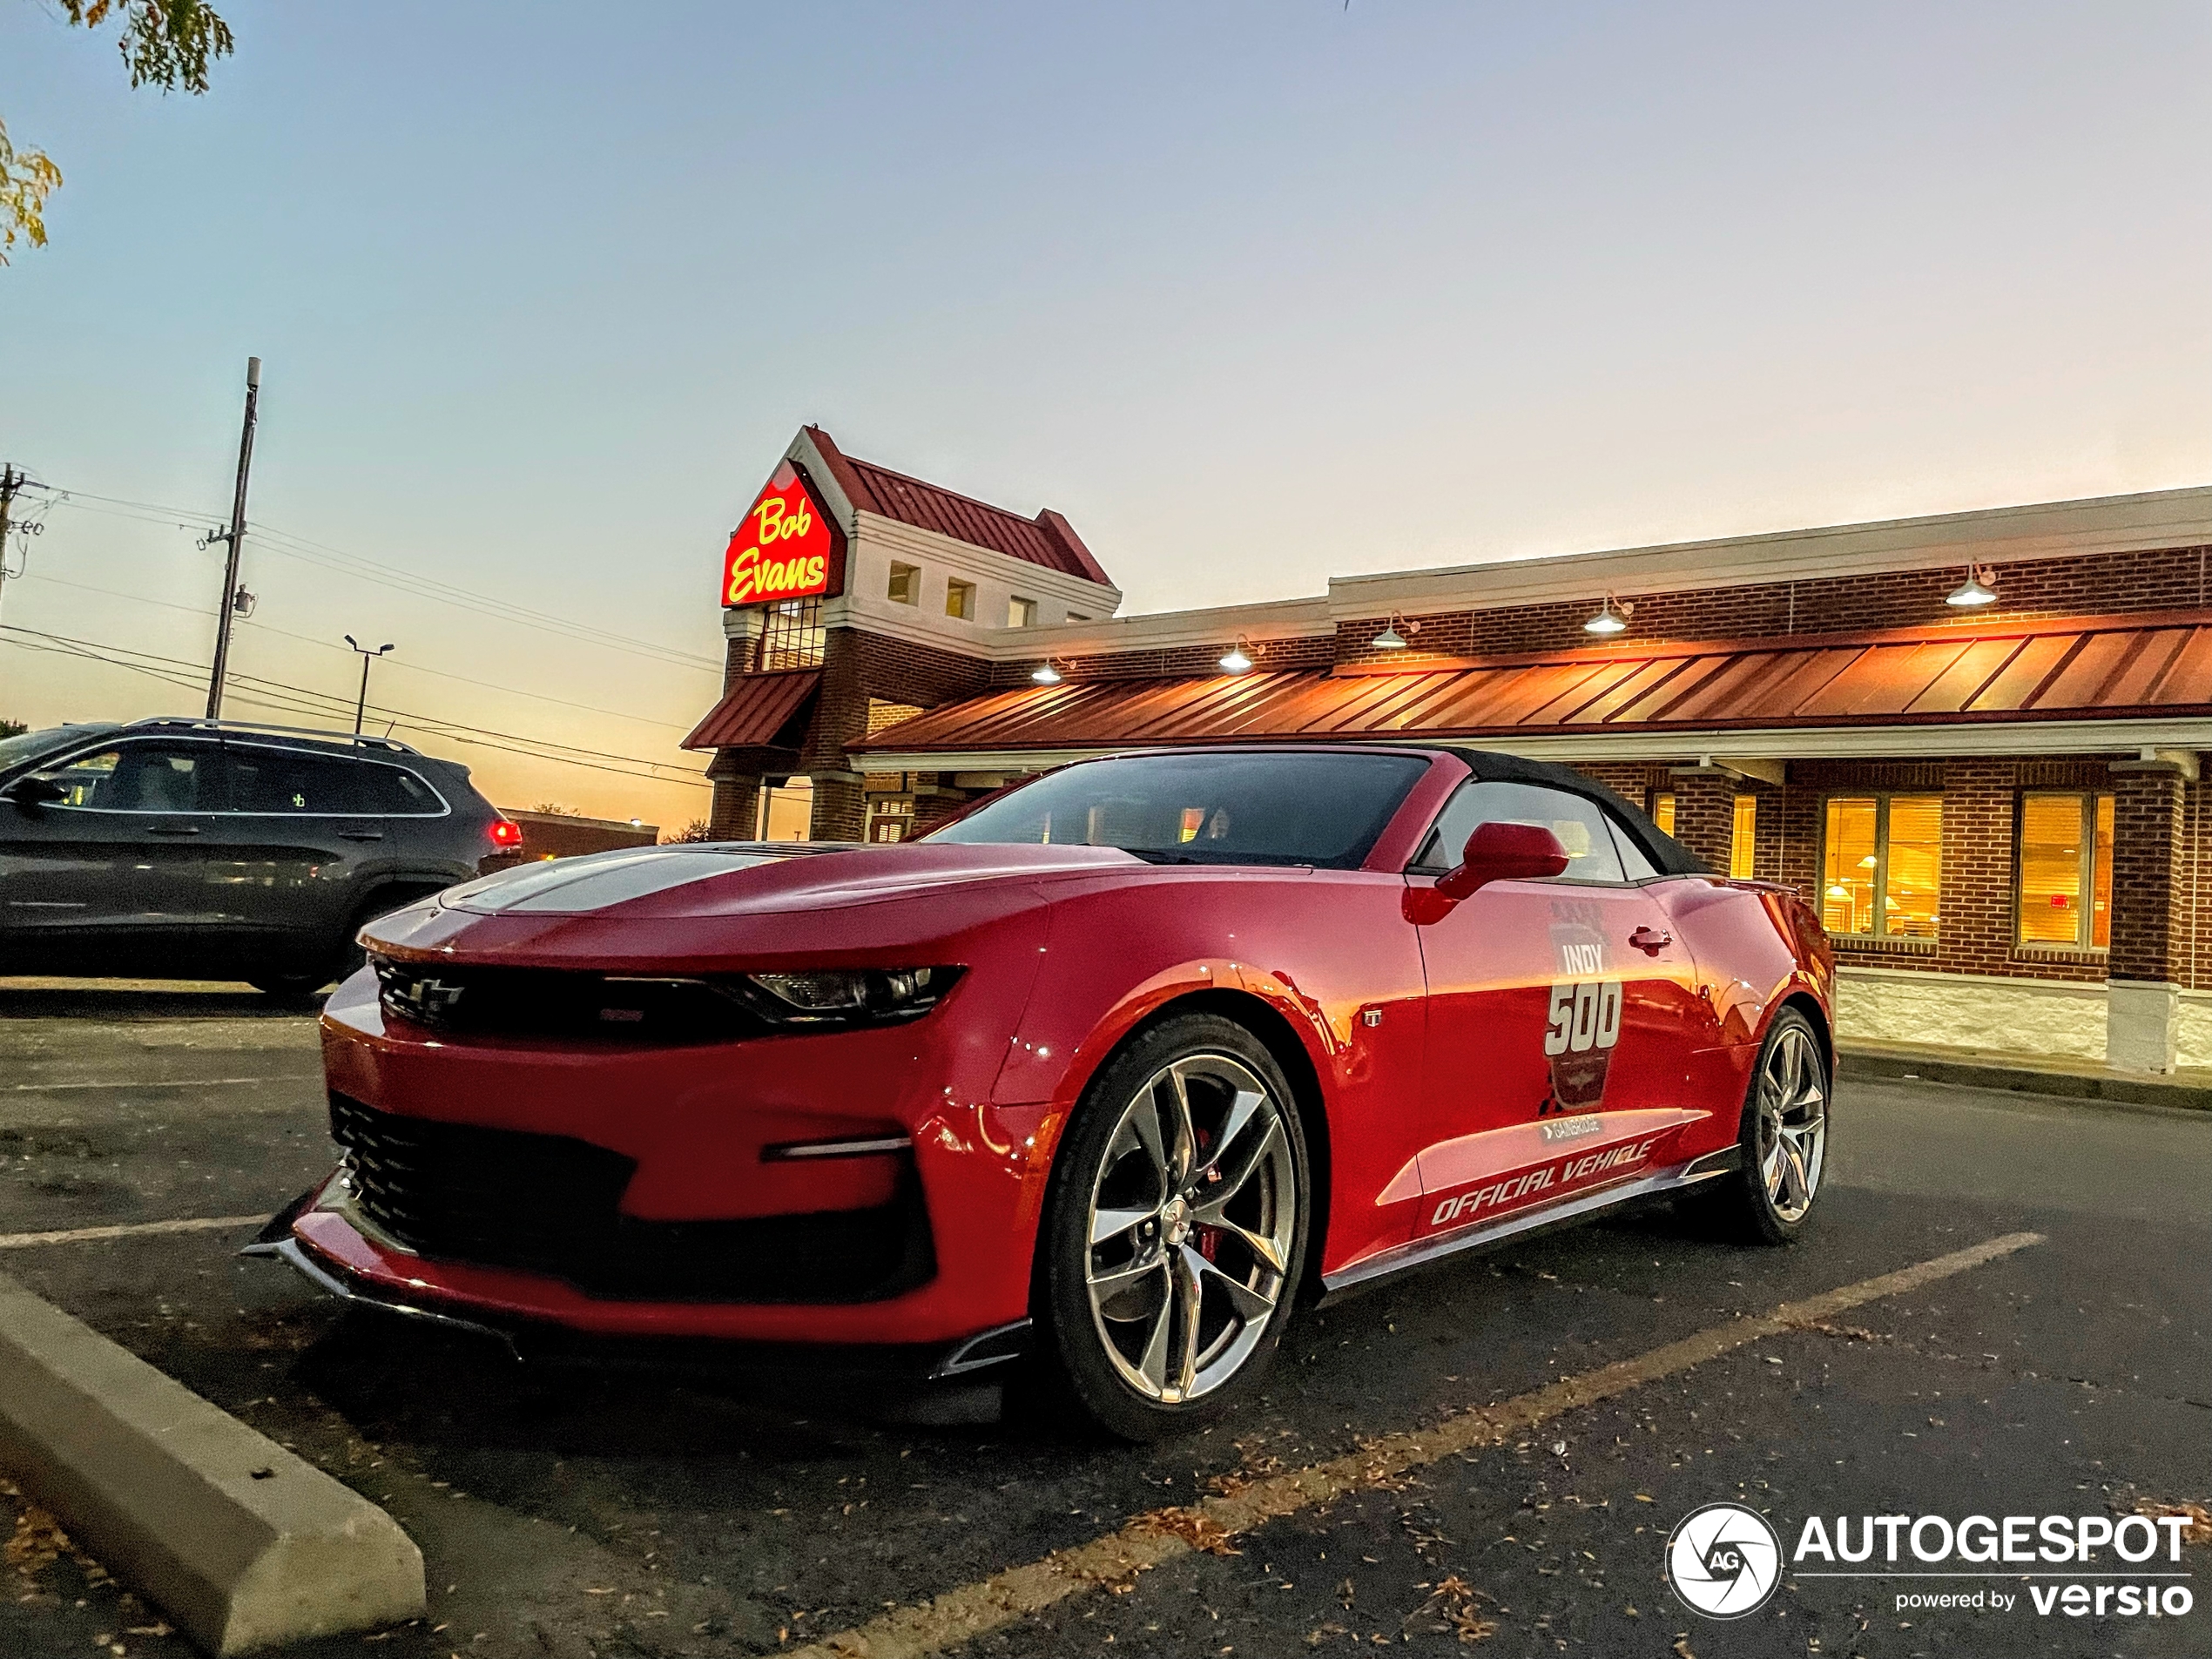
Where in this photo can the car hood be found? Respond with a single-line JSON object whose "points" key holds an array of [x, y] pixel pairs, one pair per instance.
{"points": [[702, 907], [753, 879]]}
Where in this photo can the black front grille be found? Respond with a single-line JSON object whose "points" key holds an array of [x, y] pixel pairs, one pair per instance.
{"points": [[543, 1001], [549, 1203]]}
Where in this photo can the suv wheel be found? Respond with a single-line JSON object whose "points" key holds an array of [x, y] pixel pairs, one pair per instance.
{"points": [[1175, 1228]]}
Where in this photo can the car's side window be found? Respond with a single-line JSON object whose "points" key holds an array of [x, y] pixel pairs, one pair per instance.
{"points": [[283, 782], [1582, 826], [142, 778], [1635, 862]]}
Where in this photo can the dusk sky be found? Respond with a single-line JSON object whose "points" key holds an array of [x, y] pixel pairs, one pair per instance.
{"points": [[1256, 295]]}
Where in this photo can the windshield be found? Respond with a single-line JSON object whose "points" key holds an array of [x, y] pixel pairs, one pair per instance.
{"points": [[31, 744], [1258, 807]]}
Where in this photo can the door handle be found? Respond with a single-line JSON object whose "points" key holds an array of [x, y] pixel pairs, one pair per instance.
{"points": [[1650, 939], [173, 829], [360, 835]]}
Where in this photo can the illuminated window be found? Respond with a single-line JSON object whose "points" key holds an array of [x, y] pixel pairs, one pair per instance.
{"points": [[2065, 870], [1662, 812], [791, 636], [1743, 837], [960, 600], [1020, 613], [1882, 867], [906, 584]]}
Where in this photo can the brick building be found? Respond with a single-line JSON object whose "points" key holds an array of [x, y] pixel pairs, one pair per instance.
{"points": [[1995, 805]]}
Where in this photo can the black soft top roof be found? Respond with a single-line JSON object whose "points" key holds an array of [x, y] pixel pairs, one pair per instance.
{"points": [[1668, 855]]}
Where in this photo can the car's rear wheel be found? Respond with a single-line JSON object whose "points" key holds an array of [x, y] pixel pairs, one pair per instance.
{"points": [[1175, 1228], [1784, 1142]]}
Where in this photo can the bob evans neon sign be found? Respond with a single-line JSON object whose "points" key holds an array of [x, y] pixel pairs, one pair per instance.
{"points": [[783, 549]]}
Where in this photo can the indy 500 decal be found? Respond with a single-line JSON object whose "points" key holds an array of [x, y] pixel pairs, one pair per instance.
{"points": [[1584, 1012]]}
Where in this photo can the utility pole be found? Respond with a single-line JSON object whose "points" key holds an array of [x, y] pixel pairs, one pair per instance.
{"points": [[366, 656], [235, 535], [11, 480]]}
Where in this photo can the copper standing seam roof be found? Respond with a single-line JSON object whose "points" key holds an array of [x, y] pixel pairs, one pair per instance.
{"points": [[2110, 667], [755, 709], [1047, 539]]}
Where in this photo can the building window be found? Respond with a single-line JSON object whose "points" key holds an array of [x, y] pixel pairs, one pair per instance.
{"points": [[1077, 617], [1883, 866], [787, 810], [906, 584], [1662, 811], [1743, 836], [960, 600], [791, 636], [2065, 870], [1020, 613]]}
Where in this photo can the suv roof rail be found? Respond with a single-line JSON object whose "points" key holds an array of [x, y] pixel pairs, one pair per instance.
{"points": [[352, 740]]}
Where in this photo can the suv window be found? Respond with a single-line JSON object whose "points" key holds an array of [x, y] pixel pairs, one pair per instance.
{"points": [[144, 778], [265, 779], [1582, 826]]}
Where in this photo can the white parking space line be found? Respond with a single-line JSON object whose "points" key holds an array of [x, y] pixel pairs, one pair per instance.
{"points": [[172, 1083], [133, 1229], [974, 1610]]}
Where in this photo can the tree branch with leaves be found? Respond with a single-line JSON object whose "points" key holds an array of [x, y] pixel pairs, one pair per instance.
{"points": [[168, 44]]}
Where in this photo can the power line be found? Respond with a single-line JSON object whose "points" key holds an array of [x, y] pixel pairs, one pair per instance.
{"points": [[300, 701], [257, 626], [307, 551]]}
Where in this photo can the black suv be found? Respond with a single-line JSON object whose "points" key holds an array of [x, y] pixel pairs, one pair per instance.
{"points": [[203, 849]]}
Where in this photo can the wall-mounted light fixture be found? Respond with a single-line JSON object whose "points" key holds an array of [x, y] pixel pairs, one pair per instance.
{"points": [[1976, 589], [1393, 637], [1045, 674], [1609, 619], [1237, 659]]}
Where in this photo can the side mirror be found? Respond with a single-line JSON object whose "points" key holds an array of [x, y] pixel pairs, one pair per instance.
{"points": [[1504, 852], [34, 790]]}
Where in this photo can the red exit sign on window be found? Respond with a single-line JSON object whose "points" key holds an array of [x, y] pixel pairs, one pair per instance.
{"points": [[783, 549]]}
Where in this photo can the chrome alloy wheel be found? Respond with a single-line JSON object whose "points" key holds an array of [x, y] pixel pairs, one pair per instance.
{"points": [[1193, 1210], [1792, 1106]]}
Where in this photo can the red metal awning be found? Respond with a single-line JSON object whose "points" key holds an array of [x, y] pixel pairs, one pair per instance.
{"points": [[2074, 669], [758, 707]]}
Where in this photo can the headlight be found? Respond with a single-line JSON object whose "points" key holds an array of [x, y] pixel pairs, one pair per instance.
{"points": [[850, 995]]}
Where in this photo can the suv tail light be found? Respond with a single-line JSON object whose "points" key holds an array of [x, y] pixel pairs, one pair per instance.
{"points": [[506, 833]]}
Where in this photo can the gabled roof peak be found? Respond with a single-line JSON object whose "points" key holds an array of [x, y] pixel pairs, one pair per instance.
{"points": [[1048, 540]]}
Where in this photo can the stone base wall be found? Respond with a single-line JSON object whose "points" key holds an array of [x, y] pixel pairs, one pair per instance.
{"points": [[2057, 1018], [1970, 1011]]}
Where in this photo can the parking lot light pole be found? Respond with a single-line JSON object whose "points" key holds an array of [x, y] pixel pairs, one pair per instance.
{"points": [[367, 657]]}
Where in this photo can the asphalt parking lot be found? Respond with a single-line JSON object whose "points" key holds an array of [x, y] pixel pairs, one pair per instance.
{"points": [[569, 1515]]}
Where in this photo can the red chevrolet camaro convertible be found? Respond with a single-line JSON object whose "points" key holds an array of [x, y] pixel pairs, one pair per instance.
{"points": [[1106, 1073]]}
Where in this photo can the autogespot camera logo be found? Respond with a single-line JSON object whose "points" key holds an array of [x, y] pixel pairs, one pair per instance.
{"points": [[1723, 1560]]}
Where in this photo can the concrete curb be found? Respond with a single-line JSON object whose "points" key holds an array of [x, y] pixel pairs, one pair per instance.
{"points": [[243, 1545], [2065, 1083]]}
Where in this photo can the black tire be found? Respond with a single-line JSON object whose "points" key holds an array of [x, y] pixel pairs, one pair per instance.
{"points": [[1782, 1144], [289, 987], [347, 958], [1225, 1223]]}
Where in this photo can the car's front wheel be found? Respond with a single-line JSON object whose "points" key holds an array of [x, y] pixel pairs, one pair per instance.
{"points": [[1174, 1229]]}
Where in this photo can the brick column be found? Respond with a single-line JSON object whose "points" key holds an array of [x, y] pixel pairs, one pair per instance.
{"points": [[1974, 907], [735, 815], [840, 809], [2141, 996], [1705, 813]]}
